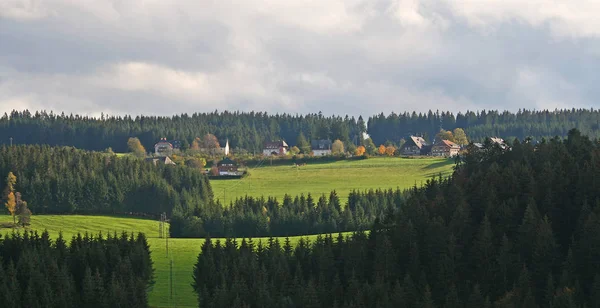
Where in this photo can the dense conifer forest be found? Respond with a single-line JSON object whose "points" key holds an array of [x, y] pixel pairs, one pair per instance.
{"points": [[483, 124], [65, 180], [301, 215], [248, 131], [92, 271], [510, 228]]}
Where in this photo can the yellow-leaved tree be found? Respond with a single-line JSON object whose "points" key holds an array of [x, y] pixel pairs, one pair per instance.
{"points": [[337, 147], [381, 149], [9, 195], [136, 147]]}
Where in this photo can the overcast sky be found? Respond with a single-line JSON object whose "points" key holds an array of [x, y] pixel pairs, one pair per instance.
{"points": [[339, 57]]}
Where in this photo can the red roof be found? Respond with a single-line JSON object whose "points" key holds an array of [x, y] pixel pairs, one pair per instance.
{"points": [[448, 143]]}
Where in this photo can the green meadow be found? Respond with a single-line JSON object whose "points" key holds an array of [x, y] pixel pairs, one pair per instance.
{"points": [[322, 178], [182, 252]]}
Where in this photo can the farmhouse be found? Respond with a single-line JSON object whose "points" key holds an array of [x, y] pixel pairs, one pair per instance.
{"points": [[500, 142], [163, 148], [227, 167], [321, 147], [445, 148], [160, 160], [415, 146], [275, 148]]}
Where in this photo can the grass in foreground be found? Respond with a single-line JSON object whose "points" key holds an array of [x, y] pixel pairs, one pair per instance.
{"points": [[322, 178], [183, 252]]}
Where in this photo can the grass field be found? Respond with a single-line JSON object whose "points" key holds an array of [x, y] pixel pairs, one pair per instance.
{"points": [[342, 176], [183, 252]]}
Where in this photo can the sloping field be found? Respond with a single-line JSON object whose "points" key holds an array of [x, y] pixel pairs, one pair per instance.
{"points": [[183, 252], [322, 178]]}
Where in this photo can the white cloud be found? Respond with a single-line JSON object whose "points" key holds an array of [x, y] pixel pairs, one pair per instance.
{"points": [[25, 10]]}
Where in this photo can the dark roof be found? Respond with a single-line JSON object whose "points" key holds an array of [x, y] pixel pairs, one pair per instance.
{"points": [[321, 144], [226, 161], [275, 144]]}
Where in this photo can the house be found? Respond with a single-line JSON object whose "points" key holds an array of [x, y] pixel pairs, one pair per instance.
{"points": [[227, 167], [500, 142], [321, 147], [415, 146], [217, 151], [160, 160], [445, 148], [275, 148], [163, 148]]}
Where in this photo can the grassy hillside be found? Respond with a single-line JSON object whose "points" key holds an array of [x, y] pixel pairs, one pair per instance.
{"points": [[342, 176], [183, 252]]}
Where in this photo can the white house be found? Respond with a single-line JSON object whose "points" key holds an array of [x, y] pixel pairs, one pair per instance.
{"points": [[321, 147], [275, 148]]}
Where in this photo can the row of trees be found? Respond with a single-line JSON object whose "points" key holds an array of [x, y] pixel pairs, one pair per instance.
{"points": [[67, 180], [252, 217], [518, 228], [92, 271], [482, 124], [244, 130]]}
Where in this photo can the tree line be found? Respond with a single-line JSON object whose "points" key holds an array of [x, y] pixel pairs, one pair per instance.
{"points": [[92, 271], [510, 228], [480, 125], [244, 130], [65, 180], [301, 215]]}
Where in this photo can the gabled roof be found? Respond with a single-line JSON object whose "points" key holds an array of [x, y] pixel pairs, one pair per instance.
{"points": [[275, 144], [321, 144], [415, 141], [226, 161], [447, 143]]}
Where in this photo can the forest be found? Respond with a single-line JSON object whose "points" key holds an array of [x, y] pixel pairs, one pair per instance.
{"points": [[246, 131], [91, 271], [64, 180], [480, 125], [510, 228], [301, 215]]}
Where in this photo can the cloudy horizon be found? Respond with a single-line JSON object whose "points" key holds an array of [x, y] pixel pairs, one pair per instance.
{"points": [[339, 57]]}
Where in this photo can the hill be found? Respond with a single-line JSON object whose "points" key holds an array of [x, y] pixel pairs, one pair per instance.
{"points": [[322, 178], [183, 252]]}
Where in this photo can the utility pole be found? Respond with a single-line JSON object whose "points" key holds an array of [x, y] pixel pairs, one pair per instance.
{"points": [[10, 141], [171, 279]]}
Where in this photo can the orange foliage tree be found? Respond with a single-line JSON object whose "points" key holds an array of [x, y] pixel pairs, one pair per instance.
{"points": [[381, 149], [360, 150], [390, 150]]}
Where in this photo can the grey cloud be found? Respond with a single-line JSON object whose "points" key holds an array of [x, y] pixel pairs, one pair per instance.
{"points": [[355, 57]]}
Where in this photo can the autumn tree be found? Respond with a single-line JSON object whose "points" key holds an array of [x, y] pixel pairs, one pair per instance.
{"points": [[444, 135], [389, 150], [337, 147], [460, 137], [294, 150], [195, 147], [136, 147], [9, 194], [22, 210], [211, 144], [360, 150], [381, 149]]}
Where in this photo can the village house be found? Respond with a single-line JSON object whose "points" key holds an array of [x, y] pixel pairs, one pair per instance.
{"points": [[500, 142], [321, 147], [164, 160], [445, 148], [227, 167], [163, 148], [415, 146], [275, 148]]}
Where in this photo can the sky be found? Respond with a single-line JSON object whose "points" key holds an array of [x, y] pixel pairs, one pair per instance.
{"points": [[354, 57]]}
